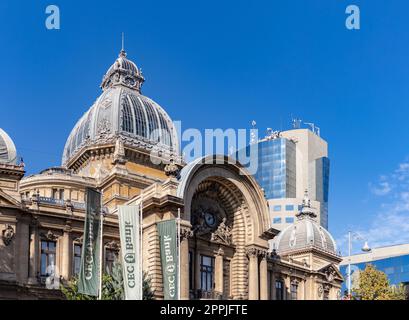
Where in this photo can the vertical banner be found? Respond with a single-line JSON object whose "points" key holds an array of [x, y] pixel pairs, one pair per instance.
{"points": [[168, 252], [130, 247], [89, 276]]}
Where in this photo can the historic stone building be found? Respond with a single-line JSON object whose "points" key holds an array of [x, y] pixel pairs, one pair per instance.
{"points": [[127, 146]]}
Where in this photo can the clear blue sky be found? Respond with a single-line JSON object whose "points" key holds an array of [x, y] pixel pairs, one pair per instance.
{"points": [[221, 64]]}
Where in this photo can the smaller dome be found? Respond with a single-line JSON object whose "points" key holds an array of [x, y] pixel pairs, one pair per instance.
{"points": [[123, 72], [8, 152], [305, 233]]}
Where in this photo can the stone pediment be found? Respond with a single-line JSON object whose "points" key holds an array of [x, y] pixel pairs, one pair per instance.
{"points": [[331, 272], [7, 200]]}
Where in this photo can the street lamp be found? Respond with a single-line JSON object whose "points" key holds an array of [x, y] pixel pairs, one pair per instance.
{"points": [[354, 236]]}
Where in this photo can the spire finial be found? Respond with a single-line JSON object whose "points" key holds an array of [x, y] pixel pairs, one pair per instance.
{"points": [[123, 46], [123, 53], [306, 209], [306, 201]]}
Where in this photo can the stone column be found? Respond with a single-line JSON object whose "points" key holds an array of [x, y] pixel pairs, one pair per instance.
{"points": [[287, 288], [184, 264], [301, 289], [252, 254], [197, 271], [22, 250], [219, 271], [272, 285], [66, 254], [263, 276], [34, 253]]}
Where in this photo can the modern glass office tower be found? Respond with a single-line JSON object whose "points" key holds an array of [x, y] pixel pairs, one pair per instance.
{"points": [[393, 260], [276, 169], [289, 163]]}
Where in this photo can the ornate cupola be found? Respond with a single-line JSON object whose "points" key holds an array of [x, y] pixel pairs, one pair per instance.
{"points": [[305, 234], [123, 72]]}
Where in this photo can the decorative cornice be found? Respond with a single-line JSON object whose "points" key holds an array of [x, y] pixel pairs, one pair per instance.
{"points": [[50, 236]]}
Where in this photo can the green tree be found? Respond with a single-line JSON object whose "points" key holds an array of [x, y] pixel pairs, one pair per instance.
{"points": [[374, 285], [399, 293], [112, 286]]}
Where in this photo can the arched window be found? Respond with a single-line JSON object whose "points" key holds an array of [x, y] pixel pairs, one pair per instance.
{"points": [[127, 121]]}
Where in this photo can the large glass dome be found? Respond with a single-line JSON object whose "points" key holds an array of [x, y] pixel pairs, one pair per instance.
{"points": [[123, 112]]}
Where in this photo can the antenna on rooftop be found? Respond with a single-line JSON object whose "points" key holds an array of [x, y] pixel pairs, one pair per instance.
{"points": [[296, 123], [314, 128], [253, 137]]}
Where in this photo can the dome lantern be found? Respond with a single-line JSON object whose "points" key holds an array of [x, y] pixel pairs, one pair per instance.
{"points": [[123, 72], [306, 209]]}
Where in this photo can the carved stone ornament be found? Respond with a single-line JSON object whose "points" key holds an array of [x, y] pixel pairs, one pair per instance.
{"points": [[223, 234], [113, 245], [79, 240], [119, 154], [252, 252], [185, 234], [8, 235], [220, 252], [50, 236], [104, 126], [172, 170], [330, 274], [320, 290]]}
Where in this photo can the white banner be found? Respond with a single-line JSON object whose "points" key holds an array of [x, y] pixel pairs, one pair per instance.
{"points": [[129, 229]]}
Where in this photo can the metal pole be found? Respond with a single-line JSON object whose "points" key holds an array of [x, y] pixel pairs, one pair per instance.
{"points": [[179, 243], [101, 248], [140, 242], [349, 265]]}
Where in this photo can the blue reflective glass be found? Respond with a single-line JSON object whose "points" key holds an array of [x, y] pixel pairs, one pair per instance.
{"points": [[276, 220], [396, 268], [276, 167]]}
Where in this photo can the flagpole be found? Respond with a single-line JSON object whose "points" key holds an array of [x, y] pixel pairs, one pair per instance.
{"points": [[101, 248], [179, 243]]}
